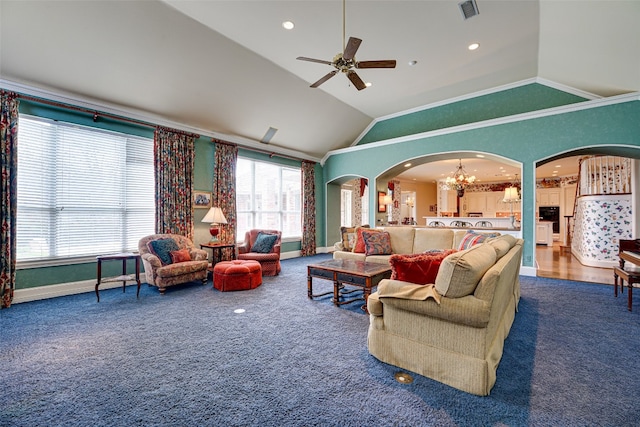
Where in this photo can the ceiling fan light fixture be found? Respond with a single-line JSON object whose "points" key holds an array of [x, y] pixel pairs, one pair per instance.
{"points": [[346, 62]]}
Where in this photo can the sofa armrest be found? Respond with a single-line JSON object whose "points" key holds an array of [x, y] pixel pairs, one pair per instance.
{"points": [[153, 260], [198, 254], [243, 248], [276, 249], [467, 310]]}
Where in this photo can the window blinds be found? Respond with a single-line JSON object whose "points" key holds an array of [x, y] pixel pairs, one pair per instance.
{"points": [[81, 191]]}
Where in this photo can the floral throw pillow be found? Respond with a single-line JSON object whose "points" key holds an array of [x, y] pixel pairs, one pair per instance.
{"points": [[358, 247], [349, 237], [377, 243], [420, 269]]}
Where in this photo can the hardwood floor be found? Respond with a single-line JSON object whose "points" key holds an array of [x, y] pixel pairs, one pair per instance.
{"points": [[554, 264]]}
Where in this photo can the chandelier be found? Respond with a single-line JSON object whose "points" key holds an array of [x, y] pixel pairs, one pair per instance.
{"points": [[459, 180]]}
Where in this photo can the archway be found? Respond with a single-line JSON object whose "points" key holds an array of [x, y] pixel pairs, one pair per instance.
{"points": [[424, 176], [347, 203], [581, 268]]}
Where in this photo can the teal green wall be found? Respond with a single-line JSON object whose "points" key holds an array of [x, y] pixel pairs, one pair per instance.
{"points": [[509, 102], [202, 180], [615, 129]]}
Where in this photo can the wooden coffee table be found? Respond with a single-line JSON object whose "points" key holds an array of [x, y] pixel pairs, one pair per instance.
{"points": [[343, 272]]}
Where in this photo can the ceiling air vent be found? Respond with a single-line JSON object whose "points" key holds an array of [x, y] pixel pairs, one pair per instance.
{"points": [[267, 136], [468, 8]]}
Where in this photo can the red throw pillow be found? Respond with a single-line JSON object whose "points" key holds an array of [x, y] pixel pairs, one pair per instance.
{"points": [[420, 269], [359, 247], [181, 255]]}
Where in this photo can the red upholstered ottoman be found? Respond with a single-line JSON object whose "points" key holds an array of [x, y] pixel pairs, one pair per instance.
{"points": [[237, 275]]}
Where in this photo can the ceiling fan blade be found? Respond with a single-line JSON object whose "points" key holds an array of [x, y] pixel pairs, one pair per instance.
{"points": [[319, 61], [324, 79], [386, 63], [352, 47], [356, 80]]}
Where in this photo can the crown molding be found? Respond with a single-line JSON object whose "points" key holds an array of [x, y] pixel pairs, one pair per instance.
{"points": [[143, 116]]}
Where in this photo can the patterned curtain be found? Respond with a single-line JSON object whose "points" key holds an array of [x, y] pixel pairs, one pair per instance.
{"points": [[224, 189], [173, 158], [308, 209], [356, 195], [397, 199], [8, 194]]}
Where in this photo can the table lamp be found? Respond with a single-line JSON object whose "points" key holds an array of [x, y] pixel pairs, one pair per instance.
{"points": [[214, 217], [511, 196]]}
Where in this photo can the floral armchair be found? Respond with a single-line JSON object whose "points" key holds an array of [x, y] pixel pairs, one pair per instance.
{"points": [[262, 246], [171, 259]]}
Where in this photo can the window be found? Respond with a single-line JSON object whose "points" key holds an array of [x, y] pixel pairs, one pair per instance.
{"points": [[365, 206], [345, 207], [81, 191], [268, 196]]}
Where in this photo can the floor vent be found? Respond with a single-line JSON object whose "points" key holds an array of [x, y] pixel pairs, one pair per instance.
{"points": [[468, 8]]}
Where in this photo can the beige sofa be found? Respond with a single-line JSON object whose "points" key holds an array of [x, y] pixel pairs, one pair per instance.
{"points": [[409, 240], [458, 341]]}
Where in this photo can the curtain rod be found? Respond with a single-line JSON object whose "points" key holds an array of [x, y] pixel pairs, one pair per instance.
{"points": [[97, 114], [259, 150]]}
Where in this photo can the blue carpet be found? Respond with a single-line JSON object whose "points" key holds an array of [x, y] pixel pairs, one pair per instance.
{"points": [[186, 359]]}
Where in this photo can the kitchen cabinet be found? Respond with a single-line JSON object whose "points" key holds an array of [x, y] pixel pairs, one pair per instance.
{"points": [[488, 203], [544, 233], [548, 196], [475, 202], [448, 201]]}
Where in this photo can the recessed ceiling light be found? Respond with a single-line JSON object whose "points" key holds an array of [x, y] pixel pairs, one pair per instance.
{"points": [[480, 156], [288, 25], [474, 46], [412, 63], [558, 166], [368, 84], [406, 165]]}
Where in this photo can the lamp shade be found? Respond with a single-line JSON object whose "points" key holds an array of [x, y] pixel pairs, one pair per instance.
{"points": [[510, 195], [215, 216], [387, 199]]}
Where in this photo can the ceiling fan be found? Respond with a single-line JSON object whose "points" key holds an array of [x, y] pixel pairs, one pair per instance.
{"points": [[346, 62]]}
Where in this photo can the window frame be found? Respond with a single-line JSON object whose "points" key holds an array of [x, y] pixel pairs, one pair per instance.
{"points": [[123, 212], [280, 212]]}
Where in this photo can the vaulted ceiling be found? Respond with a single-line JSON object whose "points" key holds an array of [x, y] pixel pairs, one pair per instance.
{"points": [[229, 68]]}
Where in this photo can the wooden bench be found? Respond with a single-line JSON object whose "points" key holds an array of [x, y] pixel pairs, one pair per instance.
{"points": [[628, 275]]}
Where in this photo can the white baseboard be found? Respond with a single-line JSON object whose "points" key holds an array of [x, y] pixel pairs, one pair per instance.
{"points": [[62, 289], [594, 262], [528, 271]]}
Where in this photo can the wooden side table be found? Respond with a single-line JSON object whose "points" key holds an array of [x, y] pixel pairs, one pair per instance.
{"points": [[216, 251], [124, 277]]}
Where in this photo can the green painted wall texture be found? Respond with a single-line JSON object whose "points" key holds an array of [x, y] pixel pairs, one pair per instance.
{"points": [[523, 99]]}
